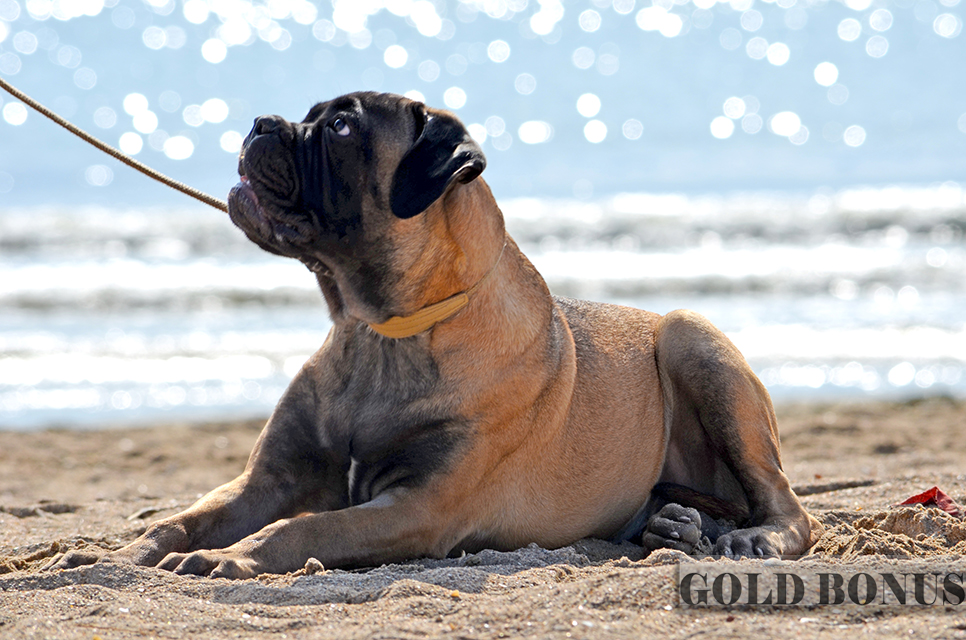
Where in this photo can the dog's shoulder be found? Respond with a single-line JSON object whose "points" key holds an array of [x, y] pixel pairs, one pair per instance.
{"points": [[599, 326], [597, 316]]}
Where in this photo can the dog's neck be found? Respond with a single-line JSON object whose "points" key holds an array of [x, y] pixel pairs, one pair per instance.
{"points": [[426, 318]]}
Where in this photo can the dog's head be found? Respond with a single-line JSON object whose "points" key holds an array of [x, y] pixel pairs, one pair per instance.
{"points": [[351, 191]]}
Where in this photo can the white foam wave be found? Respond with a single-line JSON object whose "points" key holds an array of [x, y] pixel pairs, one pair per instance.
{"points": [[804, 343], [76, 279], [769, 262]]}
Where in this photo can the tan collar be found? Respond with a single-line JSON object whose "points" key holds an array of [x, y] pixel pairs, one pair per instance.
{"points": [[408, 326]]}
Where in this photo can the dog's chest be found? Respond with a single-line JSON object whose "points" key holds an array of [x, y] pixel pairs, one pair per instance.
{"points": [[407, 455], [387, 414]]}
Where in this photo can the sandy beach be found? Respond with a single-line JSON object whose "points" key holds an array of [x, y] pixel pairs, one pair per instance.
{"points": [[851, 463]]}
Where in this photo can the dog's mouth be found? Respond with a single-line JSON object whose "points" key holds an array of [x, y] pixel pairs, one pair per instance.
{"points": [[261, 227], [274, 236], [247, 213], [262, 202], [246, 194]]}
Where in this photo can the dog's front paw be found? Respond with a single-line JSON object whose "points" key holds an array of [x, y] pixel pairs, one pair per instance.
{"points": [[211, 563], [140, 552], [673, 527], [747, 543], [72, 560], [149, 549]]}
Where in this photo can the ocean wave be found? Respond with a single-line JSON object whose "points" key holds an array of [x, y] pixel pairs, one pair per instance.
{"points": [[886, 215], [130, 315], [862, 215]]}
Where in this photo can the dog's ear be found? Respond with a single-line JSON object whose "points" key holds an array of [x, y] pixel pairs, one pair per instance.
{"points": [[444, 151]]}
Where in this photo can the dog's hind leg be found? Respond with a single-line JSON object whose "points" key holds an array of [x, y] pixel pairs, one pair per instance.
{"points": [[723, 439], [678, 517], [687, 520]]}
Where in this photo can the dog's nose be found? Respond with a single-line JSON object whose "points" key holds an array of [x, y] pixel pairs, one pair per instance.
{"points": [[267, 124]]}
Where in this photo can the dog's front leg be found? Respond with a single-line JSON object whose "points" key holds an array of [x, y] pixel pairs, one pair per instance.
{"points": [[220, 518], [222, 515], [387, 529], [288, 473]]}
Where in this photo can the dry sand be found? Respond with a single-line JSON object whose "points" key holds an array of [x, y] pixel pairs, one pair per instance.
{"points": [[64, 490]]}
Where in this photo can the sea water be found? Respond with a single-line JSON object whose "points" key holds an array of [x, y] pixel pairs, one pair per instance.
{"points": [[131, 315], [661, 154]]}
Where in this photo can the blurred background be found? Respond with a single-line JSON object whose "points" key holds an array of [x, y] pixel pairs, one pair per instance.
{"points": [[792, 169]]}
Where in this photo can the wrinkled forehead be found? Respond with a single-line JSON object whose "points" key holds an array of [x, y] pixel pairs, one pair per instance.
{"points": [[381, 118]]}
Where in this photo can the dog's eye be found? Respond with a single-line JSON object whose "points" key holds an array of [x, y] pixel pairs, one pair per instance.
{"points": [[341, 127]]}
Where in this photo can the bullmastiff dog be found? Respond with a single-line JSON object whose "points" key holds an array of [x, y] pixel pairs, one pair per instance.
{"points": [[456, 404]]}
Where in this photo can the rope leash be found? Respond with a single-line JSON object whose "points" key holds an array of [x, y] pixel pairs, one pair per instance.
{"points": [[111, 151]]}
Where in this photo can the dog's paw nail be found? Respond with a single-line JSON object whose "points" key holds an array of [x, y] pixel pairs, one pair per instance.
{"points": [[313, 566]]}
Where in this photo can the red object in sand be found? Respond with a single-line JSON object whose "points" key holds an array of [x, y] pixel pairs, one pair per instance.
{"points": [[936, 498]]}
